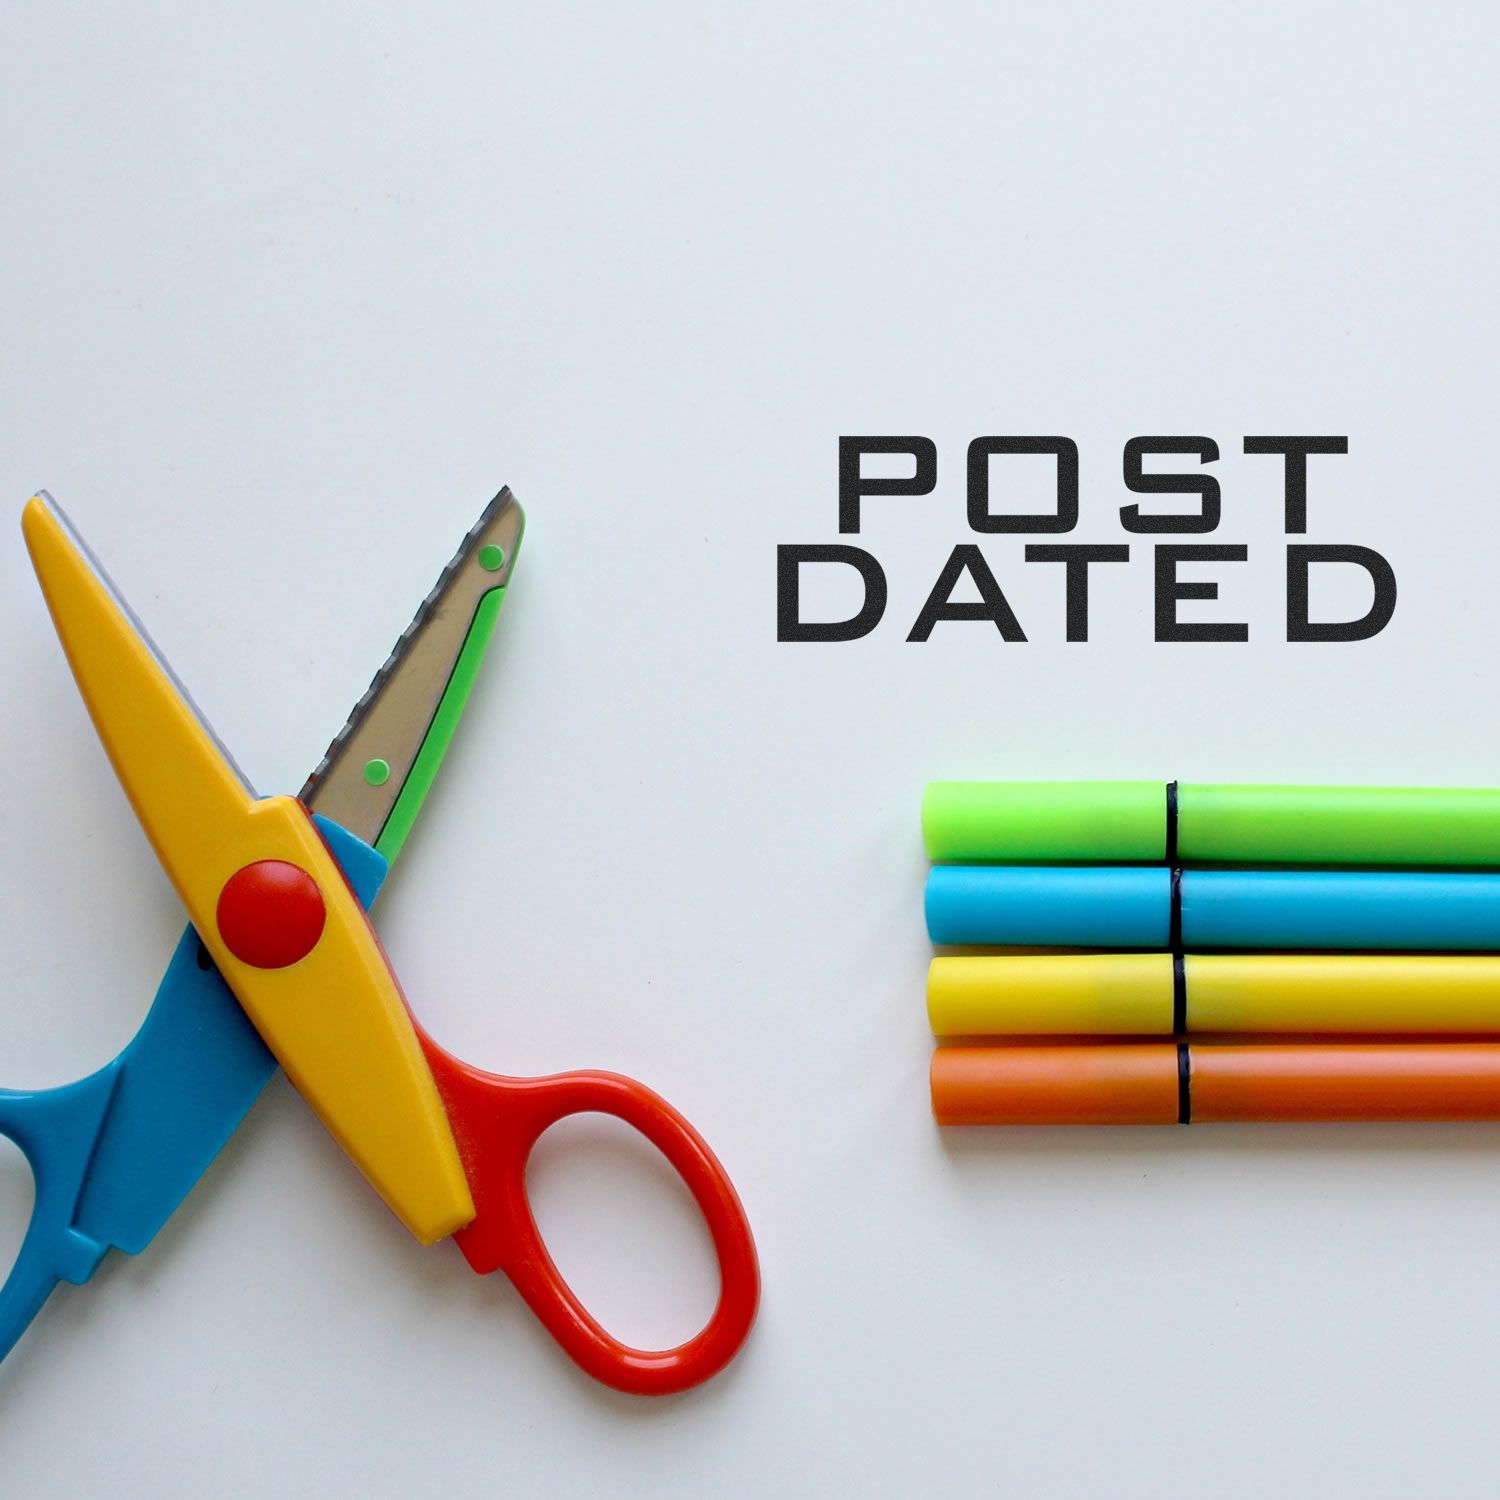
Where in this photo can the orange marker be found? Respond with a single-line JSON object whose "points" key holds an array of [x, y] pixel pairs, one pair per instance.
{"points": [[1165, 1083]]}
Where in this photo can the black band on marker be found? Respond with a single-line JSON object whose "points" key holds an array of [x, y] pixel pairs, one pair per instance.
{"points": [[1184, 1085], [1179, 995], [1171, 851], [1174, 917]]}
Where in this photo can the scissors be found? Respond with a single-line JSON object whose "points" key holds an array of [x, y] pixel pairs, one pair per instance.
{"points": [[280, 965]]}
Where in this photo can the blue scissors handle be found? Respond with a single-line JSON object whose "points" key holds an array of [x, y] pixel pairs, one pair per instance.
{"points": [[56, 1131], [113, 1154]]}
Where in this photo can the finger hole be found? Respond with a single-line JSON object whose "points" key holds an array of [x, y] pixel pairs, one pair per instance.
{"points": [[623, 1230], [17, 1195]]}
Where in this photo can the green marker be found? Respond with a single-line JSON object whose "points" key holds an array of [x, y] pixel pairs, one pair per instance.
{"points": [[1144, 821]]}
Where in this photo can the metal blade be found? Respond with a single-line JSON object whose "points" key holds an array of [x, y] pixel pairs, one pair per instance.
{"points": [[377, 771]]}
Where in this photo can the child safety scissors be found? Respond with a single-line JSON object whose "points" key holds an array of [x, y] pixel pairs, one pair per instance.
{"points": [[280, 964]]}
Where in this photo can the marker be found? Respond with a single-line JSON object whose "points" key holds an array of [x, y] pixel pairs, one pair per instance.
{"points": [[1171, 1083], [1145, 906], [1123, 821], [1160, 994]]}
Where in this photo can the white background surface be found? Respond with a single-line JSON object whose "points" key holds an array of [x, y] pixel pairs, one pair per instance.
{"points": [[289, 292]]}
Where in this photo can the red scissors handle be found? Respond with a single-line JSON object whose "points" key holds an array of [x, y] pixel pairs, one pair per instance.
{"points": [[496, 1122]]}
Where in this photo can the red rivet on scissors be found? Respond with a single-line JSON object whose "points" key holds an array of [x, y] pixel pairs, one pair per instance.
{"points": [[271, 914]]}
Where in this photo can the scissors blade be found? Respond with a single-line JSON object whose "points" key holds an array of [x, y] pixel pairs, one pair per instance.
{"points": [[381, 764], [186, 790]]}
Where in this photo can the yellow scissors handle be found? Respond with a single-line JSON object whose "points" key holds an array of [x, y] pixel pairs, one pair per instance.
{"points": [[267, 897]]}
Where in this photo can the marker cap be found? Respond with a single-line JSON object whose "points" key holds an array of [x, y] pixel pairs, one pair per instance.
{"points": [[1020, 820], [1116, 1083], [1040, 906], [1054, 994]]}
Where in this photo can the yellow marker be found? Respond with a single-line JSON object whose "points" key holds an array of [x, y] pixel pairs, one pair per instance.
{"points": [[1136, 994], [267, 898], [1370, 993]]}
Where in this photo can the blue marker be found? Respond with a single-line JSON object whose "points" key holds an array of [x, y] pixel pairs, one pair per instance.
{"points": [[1143, 906]]}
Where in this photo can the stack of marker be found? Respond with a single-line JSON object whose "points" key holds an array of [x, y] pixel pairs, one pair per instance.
{"points": [[1183, 981]]}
